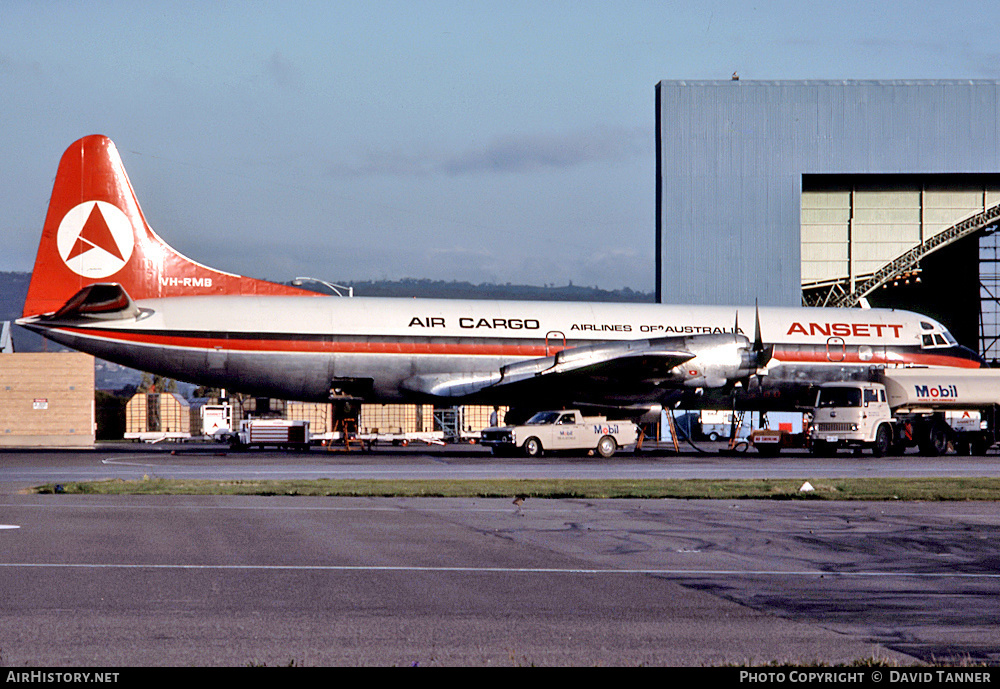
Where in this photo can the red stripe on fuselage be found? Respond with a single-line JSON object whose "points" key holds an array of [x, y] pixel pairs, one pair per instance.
{"points": [[894, 356], [319, 346]]}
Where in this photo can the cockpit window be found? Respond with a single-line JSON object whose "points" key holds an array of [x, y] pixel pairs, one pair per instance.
{"points": [[938, 336]]}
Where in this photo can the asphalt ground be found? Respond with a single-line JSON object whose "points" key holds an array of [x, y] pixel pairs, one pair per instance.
{"points": [[191, 581], [25, 467]]}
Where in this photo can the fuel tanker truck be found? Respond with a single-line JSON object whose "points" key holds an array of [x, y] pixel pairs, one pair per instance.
{"points": [[931, 409]]}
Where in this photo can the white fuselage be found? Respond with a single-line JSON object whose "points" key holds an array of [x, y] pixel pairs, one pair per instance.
{"points": [[302, 348]]}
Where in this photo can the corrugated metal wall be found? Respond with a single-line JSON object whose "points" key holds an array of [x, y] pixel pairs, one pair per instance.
{"points": [[731, 155]]}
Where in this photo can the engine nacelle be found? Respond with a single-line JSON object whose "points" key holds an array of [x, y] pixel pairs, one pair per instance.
{"points": [[719, 360]]}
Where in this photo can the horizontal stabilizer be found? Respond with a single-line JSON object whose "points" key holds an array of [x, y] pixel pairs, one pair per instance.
{"points": [[100, 301]]}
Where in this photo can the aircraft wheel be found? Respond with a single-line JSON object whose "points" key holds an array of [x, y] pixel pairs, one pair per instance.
{"points": [[532, 447], [606, 446]]}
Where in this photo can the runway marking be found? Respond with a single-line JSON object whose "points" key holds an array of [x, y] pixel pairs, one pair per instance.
{"points": [[503, 570], [9, 526]]}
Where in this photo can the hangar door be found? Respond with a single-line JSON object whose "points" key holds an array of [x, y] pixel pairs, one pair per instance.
{"points": [[853, 225]]}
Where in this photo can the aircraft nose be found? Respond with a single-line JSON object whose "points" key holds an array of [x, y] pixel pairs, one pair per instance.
{"points": [[971, 354]]}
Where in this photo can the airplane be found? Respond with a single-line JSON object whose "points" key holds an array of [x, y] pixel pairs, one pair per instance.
{"points": [[106, 284]]}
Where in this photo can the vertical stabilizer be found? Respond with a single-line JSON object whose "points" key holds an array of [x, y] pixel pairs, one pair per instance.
{"points": [[95, 232]]}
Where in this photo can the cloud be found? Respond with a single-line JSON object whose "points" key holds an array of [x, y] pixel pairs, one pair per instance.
{"points": [[508, 154]]}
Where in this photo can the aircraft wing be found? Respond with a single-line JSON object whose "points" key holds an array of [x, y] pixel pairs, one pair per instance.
{"points": [[710, 361], [634, 360]]}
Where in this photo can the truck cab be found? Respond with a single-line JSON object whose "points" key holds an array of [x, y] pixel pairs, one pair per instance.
{"points": [[852, 414]]}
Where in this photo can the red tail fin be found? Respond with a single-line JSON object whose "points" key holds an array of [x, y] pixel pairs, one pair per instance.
{"points": [[95, 232]]}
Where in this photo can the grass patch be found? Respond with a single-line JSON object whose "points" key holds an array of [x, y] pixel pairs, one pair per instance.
{"points": [[929, 489]]}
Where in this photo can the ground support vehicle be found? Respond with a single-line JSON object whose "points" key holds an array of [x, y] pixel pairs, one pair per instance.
{"points": [[216, 420], [779, 431], [566, 430], [272, 433], [928, 408], [771, 441], [375, 437]]}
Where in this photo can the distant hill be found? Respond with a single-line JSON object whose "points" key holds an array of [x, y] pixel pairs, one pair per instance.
{"points": [[441, 289]]}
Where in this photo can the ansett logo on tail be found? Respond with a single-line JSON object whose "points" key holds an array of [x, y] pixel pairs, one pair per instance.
{"points": [[95, 239], [936, 392]]}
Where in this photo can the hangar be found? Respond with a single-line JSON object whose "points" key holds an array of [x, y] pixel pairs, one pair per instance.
{"points": [[830, 192]]}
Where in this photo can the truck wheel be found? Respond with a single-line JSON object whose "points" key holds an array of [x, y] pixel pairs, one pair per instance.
{"points": [[606, 446], [935, 443], [883, 441], [532, 447]]}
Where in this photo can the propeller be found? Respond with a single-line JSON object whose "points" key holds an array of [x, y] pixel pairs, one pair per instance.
{"points": [[761, 354]]}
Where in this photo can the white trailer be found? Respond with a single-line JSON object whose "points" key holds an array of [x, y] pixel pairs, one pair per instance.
{"points": [[278, 433]]}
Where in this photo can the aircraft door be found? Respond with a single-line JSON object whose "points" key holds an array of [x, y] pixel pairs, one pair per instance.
{"points": [[555, 341], [836, 350]]}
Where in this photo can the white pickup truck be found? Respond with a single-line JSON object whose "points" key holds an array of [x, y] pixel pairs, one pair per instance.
{"points": [[559, 431]]}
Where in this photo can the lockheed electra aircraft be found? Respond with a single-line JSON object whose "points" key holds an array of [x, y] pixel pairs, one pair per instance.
{"points": [[106, 284]]}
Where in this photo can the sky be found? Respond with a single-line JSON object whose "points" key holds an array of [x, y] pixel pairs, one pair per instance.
{"points": [[499, 141]]}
